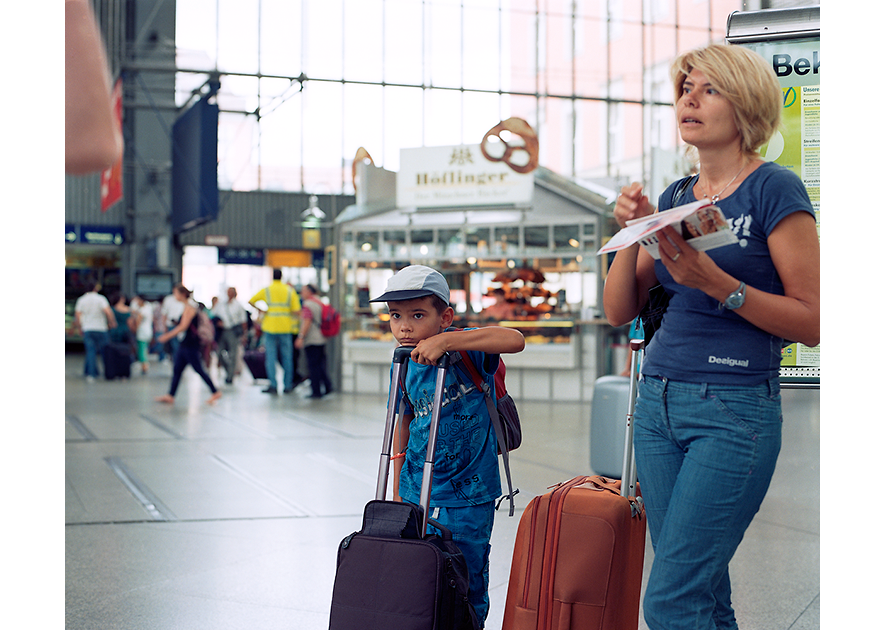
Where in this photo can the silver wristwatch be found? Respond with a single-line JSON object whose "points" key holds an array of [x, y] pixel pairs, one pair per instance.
{"points": [[735, 299]]}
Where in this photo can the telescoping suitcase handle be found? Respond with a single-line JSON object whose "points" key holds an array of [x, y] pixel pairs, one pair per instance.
{"points": [[401, 356], [629, 476]]}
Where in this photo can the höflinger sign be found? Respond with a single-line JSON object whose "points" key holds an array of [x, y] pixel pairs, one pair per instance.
{"points": [[701, 223], [432, 177]]}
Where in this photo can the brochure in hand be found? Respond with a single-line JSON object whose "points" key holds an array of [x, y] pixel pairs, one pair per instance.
{"points": [[701, 223]]}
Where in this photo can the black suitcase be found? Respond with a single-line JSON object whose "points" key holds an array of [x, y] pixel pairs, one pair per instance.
{"points": [[117, 361], [390, 575], [256, 363]]}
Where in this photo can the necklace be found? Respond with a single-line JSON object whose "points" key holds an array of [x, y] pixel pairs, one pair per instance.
{"points": [[717, 196]]}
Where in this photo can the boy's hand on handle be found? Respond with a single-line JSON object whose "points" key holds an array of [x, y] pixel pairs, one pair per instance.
{"points": [[428, 351], [632, 204]]}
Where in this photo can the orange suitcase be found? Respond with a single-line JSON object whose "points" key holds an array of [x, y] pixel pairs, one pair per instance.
{"points": [[579, 552]]}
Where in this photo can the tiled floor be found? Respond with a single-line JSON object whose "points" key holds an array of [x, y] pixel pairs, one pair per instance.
{"points": [[228, 517]]}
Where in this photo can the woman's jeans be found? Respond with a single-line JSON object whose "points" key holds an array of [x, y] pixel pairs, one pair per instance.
{"points": [[705, 455]]}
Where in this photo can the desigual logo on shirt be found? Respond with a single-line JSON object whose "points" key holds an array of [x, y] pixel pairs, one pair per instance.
{"points": [[729, 361]]}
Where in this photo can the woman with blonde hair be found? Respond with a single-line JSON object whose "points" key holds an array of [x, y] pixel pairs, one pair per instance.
{"points": [[708, 416]]}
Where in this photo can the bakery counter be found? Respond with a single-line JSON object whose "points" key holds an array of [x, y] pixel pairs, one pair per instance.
{"points": [[562, 365]]}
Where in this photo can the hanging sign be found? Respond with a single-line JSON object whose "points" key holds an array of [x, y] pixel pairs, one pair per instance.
{"points": [[436, 177]]}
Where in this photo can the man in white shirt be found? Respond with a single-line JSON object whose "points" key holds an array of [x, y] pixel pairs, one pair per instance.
{"points": [[93, 316], [233, 318], [170, 313]]}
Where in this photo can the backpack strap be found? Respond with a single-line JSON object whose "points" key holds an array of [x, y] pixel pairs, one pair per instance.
{"points": [[681, 189], [483, 386]]}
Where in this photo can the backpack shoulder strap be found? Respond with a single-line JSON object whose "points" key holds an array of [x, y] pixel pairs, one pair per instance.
{"points": [[681, 189], [472, 371], [477, 379]]}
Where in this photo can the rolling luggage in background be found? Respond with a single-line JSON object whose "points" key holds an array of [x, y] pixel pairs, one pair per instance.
{"points": [[607, 432], [117, 361], [256, 363], [580, 549], [390, 575]]}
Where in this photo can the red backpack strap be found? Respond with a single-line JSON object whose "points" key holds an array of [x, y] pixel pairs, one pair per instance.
{"points": [[473, 372], [500, 438]]}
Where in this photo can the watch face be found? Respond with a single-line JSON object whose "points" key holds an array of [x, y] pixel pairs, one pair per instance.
{"points": [[735, 300]]}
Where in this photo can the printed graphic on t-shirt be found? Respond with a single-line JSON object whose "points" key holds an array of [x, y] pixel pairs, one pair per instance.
{"points": [[740, 227], [463, 472]]}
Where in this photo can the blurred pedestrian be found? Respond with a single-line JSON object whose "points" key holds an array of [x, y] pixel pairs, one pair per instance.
{"points": [[93, 316], [142, 312], [232, 317], [277, 326], [121, 333], [313, 342], [169, 317], [189, 350]]}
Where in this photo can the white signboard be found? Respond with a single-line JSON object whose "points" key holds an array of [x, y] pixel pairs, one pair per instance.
{"points": [[432, 177]]}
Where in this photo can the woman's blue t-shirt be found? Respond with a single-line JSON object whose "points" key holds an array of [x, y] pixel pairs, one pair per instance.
{"points": [[466, 459], [697, 341]]}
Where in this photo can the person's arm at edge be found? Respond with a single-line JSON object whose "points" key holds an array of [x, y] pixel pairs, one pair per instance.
{"points": [[93, 140]]}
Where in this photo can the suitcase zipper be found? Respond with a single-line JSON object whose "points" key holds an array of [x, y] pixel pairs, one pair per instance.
{"points": [[525, 593], [551, 541]]}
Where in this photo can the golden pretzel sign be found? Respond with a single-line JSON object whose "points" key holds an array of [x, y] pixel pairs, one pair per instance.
{"points": [[521, 128], [360, 156]]}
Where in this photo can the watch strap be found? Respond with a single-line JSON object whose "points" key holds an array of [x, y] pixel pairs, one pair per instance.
{"points": [[735, 299]]}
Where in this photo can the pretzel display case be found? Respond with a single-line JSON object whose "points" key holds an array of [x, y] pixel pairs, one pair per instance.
{"points": [[517, 246]]}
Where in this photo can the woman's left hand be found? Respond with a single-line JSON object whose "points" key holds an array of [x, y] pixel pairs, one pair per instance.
{"points": [[686, 265]]}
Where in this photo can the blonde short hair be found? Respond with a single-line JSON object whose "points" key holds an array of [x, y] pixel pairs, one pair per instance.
{"points": [[746, 80]]}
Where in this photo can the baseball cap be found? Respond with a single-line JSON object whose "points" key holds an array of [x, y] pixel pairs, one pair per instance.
{"points": [[413, 282]]}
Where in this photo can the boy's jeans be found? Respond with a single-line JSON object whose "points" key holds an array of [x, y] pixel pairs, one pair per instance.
{"points": [[705, 455], [471, 529]]}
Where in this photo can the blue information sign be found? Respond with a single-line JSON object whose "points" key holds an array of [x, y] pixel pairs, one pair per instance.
{"points": [[240, 256], [94, 234]]}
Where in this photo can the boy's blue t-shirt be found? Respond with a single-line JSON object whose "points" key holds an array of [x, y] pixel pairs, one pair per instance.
{"points": [[466, 459]]}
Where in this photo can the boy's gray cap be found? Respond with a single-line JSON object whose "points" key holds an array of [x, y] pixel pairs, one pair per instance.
{"points": [[413, 282]]}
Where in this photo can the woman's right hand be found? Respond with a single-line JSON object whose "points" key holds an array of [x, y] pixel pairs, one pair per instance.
{"points": [[631, 204]]}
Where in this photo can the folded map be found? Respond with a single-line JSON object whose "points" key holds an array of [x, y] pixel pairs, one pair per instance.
{"points": [[701, 223]]}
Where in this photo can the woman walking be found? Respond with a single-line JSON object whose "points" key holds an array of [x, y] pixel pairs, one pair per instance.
{"points": [[189, 351]]}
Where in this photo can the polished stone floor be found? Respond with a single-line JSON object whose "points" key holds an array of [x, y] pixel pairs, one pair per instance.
{"points": [[191, 517]]}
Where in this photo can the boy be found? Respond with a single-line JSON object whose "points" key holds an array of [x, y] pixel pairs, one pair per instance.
{"points": [[466, 478]]}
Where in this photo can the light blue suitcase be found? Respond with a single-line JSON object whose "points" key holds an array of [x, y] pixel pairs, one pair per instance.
{"points": [[608, 425], [608, 419]]}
